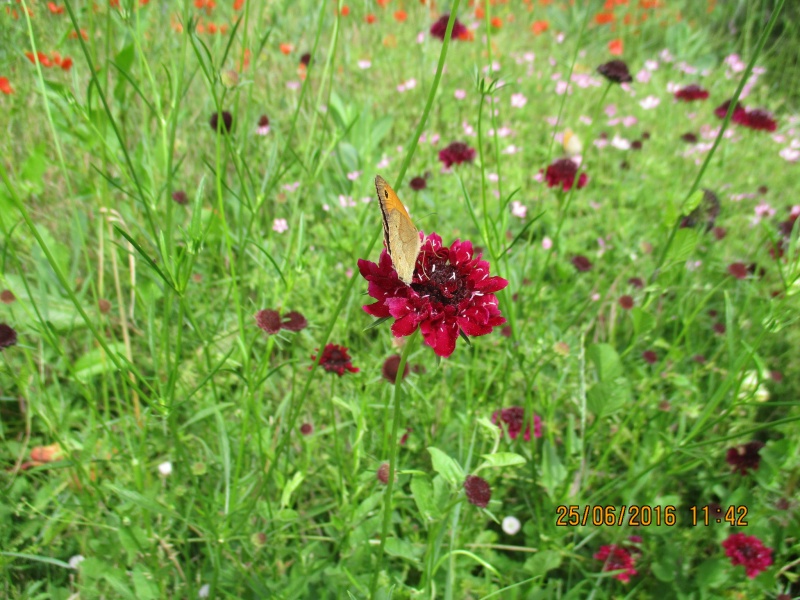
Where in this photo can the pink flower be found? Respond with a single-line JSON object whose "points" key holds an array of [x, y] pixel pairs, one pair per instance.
{"points": [[518, 100], [748, 551], [617, 558], [513, 419], [460, 94], [451, 291], [280, 225]]}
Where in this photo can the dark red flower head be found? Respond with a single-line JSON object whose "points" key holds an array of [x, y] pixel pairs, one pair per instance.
{"points": [[748, 551], [7, 297], [615, 71], [221, 122], [306, 429], [451, 290], [478, 491], [617, 558], [390, 368], [180, 197], [758, 119], [650, 357], [418, 183], [439, 28], [513, 420], [582, 263], [263, 121], [738, 270], [294, 321], [269, 320], [8, 337], [562, 173], [305, 58], [691, 93], [383, 473], [738, 111], [745, 458], [689, 138], [456, 153], [335, 359]]}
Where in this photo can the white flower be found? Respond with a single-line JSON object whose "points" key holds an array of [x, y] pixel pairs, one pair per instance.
{"points": [[790, 154], [518, 100], [354, 175], [75, 561], [364, 64], [204, 591], [518, 209], [280, 225], [511, 525], [547, 243], [649, 102], [165, 468]]}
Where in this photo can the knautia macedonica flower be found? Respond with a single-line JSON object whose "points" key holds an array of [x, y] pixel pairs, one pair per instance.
{"points": [[451, 291], [748, 551]]}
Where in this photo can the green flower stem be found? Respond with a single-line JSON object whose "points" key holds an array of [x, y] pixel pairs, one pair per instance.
{"points": [[397, 397]]}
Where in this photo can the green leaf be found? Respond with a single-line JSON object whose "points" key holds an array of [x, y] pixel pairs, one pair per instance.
{"points": [[446, 467], [682, 246], [96, 362], [291, 486], [422, 491], [542, 562], [712, 573], [402, 549], [607, 397], [143, 583], [643, 321], [504, 459], [692, 202], [553, 471], [606, 361]]}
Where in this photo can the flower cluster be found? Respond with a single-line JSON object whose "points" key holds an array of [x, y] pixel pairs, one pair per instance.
{"points": [[616, 71], [562, 173], [513, 420], [439, 28], [455, 154], [617, 558], [746, 458], [691, 93], [757, 119], [54, 59], [451, 291], [336, 359], [271, 322], [748, 551]]}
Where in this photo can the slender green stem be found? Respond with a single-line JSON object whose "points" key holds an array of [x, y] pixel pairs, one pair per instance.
{"points": [[387, 498]]}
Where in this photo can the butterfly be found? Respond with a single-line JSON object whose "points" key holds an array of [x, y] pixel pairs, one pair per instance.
{"points": [[399, 234], [572, 143]]}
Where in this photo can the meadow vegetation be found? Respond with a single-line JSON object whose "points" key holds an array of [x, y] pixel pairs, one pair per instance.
{"points": [[214, 385]]}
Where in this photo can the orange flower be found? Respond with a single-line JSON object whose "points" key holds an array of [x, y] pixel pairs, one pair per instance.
{"points": [[74, 34], [199, 3], [66, 64], [46, 454], [286, 48], [370, 18], [246, 59], [200, 28], [539, 27], [467, 36], [55, 8], [400, 16], [649, 3], [628, 20], [383, 3], [604, 18], [5, 86], [609, 5], [345, 10], [238, 5], [56, 58], [479, 14], [223, 29], [211, 28], [496, 22], [615, 47]]}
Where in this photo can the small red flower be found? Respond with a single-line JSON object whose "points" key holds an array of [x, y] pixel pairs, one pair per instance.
{"points": [[221, 122], [748, 551], [7, 297], [513, 419], [66, 64], [269, 321], [451, 290], [582, 263], [626, 302], [615, 71], [562, 173], [439, 28], [650, 357], [335, 359], [55, 8], [390, 367], [180, 197], [5, 86], [758, 119], [456, 153], [478, 491], [617, 558], [738, 270], [691, 93], [738, 111], [294, 321], [636, 282], [306, 429], [8, 337], [418, 183], [745, 458], [383, 473]]}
